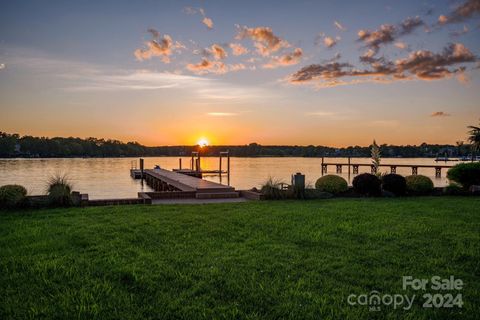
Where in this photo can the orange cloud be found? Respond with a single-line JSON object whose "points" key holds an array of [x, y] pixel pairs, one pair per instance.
{"points": [[159, 46], [421, 65], [206, 66], [285, 60], [442, 19], [215, 67], [388, 33], [466, 10], [264, 39], [238, 49], [439, 114], [329, 42], [218, 52], [208, 22]]}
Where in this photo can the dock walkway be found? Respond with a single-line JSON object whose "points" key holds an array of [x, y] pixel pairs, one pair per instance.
{"points": [[165, 180]]}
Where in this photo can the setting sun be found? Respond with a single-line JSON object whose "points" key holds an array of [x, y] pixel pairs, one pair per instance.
{"points": [[202, 142]]}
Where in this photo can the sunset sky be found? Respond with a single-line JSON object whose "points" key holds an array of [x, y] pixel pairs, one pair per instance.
{"points": [[273, 72]]}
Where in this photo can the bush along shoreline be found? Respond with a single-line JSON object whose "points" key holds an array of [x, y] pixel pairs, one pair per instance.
{"points": [[59, 194], [464, 180]]}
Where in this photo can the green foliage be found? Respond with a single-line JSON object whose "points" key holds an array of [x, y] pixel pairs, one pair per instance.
{"points": [[332, 184], [466, 174], [253, 260], [317, 194], [454, 189], [394, 183], [12, 196], [474, 137], [272, 189], [367, 184], [59, 191], [419, 184]]}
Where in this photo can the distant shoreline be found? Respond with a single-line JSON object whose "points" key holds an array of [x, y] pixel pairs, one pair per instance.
{"points": [[16, 146]]}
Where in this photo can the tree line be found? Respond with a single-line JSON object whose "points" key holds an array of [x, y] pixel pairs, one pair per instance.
{"points": [[14, 145]]}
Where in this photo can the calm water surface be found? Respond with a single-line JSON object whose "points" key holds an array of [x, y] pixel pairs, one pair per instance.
{"points": [[110, 177]]}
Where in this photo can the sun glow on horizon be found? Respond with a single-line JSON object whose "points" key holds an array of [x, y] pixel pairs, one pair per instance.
{"points": [[202, 142]]}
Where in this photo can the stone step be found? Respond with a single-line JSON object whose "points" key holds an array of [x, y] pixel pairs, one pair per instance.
{"points": [[216, 195]]}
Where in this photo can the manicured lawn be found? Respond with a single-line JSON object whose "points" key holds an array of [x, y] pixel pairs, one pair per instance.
{"points": [[256, 260]]}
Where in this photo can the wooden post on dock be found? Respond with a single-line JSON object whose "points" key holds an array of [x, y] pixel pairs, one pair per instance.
{"points": [[220, 164], [180, 163], [141, 168], [199, 168], [349, 158], [322, 166], [228, 167]]}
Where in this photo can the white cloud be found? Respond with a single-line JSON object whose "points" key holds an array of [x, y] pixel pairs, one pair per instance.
{"points": [[339, 26], [222, 114]]}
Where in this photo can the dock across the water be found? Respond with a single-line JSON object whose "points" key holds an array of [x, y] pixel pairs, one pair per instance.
{"points": [[393, 167]]}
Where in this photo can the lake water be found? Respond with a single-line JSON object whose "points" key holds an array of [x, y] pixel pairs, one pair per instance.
{"points": [[110, 177]]}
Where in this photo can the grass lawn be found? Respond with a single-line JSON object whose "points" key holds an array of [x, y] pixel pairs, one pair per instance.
{"points": [[255, 260]]}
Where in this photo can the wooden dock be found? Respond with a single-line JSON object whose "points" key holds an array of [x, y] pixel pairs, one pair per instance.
{"points": [[393, 167], [166, 180]]}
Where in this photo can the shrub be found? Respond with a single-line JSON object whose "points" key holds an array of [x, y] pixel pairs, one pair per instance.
{"points": [[12, 196], [418, 184], [466, 174], [59, 191], [367, 184], [317, 194], [272, 190], [454, 189], [331, 184], [394, 183]]}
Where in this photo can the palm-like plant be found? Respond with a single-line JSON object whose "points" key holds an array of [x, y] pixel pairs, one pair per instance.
{"points": [[474, 137], [375, 151]]}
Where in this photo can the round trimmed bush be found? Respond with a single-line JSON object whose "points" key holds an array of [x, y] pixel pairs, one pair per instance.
{"points": [[12, 195], [394, 183], [466, 174], [418, 184], [367, 184], [331, 184]]}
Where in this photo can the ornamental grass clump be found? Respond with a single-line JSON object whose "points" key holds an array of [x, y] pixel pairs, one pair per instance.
{"points": [[59, 191], [272, 189]]}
